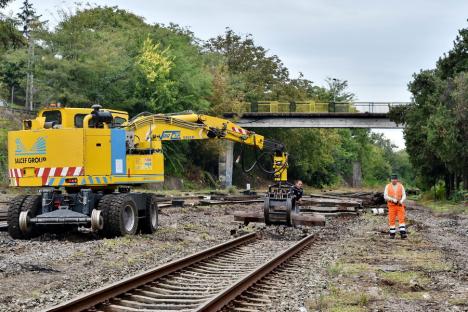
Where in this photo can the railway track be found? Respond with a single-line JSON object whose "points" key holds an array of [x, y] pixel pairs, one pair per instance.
{"points": [[206, 281]]}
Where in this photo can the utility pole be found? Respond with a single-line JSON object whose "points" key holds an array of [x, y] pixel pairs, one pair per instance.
{"points": [[334, 89], [30, 76], [335, 81], [27, 16]]}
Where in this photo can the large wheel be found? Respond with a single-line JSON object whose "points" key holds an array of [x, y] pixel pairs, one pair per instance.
{"points": [[14, 210], [20, 210], [103, 206], [120, 215], [149, 223]]}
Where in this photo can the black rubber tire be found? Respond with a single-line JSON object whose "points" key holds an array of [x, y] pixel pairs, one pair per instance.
{"points": [[23, 203], [104, 205], [14, 210], [113, 214], [146, 224]]}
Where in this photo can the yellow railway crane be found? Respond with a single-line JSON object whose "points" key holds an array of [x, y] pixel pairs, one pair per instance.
{"points": [[86, 159]]}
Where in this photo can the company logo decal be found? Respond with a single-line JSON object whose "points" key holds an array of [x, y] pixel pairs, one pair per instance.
{"points": [[144, 164], [170, 135], [38, 148]]}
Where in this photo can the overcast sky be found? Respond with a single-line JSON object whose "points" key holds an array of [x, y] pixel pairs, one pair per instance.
{"points": [[374, 44]]}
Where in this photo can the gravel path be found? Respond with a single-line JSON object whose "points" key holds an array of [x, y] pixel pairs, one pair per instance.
{"points": [[353, 266]]}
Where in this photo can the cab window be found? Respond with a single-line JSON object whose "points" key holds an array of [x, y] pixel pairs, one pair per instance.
{"points": [[80, 117], [53, 115], [78, 121], [118, 121]]}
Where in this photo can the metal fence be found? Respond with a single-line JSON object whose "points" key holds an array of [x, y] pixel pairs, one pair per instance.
{"points": [[320, 107], [18, 110]]}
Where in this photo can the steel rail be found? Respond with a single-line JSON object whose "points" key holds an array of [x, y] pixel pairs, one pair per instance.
{"points": [[93, 298], [232, 292]]}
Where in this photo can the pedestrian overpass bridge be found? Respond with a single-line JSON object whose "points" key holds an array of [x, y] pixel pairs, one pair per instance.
{"points": [[308, 114], [316, 115]]}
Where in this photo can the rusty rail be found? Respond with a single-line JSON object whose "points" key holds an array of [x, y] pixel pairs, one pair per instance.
{"points": [[232, 292], [215, 303], [93, 298]]}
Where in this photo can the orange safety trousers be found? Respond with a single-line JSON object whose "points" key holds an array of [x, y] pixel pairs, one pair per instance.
{"points": [[395, 210]]}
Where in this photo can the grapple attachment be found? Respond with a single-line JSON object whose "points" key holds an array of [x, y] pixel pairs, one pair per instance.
{"points": [[279, 204]]}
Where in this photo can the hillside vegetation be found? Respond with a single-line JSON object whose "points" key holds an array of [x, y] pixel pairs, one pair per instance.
{"points": [[113, 57]]}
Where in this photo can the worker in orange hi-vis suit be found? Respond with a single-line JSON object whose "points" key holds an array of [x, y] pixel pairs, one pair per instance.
{"points": [[395, 196]]}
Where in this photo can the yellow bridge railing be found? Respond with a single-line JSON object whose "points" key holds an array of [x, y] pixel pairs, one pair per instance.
{"points": [[318, 107]]}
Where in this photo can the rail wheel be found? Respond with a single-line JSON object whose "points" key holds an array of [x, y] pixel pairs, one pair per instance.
{"points": [[20, 210], [149, 223], [120, 215]]}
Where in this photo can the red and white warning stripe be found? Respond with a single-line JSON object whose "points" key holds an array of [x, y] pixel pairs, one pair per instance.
{"points": [[240, 130], [45, 173], [59, 171], [15, 173]]}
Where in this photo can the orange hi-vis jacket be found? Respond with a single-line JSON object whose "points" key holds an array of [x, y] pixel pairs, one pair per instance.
{"points": [[398, 194], [395, 210]]}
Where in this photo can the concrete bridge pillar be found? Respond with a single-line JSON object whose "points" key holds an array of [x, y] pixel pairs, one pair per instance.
{"points": [[226, 161], [357, 174]]}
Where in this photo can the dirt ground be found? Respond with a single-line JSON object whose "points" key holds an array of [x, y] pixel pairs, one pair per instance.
{"points": [[369, 272], [53, 268], [351, 266]]}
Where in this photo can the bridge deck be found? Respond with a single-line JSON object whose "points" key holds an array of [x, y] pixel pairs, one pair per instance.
{"points": [[314, 120]]}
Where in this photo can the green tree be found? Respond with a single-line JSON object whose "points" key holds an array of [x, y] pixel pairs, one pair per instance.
{"points": [[253, 71], [435, 123], [155, 64], [95, 56]]}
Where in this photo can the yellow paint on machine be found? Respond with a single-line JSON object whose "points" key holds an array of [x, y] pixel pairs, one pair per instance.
{"points": [[97, 159], [45, 148], [145, 164], [103, 180], [84, 147]]}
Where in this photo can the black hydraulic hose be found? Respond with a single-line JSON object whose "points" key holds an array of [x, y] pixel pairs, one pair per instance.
{"points": [[243, 163], [139, 115], [258, 163]]}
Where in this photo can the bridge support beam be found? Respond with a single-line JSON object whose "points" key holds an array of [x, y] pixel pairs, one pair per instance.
{"points": [[226, 162], [316, 120]]}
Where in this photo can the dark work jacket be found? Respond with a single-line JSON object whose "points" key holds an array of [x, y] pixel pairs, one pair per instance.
{"points": [[298, 192]]}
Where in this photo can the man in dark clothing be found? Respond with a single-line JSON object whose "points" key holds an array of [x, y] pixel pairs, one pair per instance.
{"points": [[297, 194]]}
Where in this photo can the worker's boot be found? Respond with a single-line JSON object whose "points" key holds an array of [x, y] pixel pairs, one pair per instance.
{"points": [[403, 232], [392, 233]]}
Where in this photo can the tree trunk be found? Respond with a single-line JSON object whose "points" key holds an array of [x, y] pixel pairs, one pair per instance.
{"points": [[448, 187], [465, 177], [12, 95]]}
